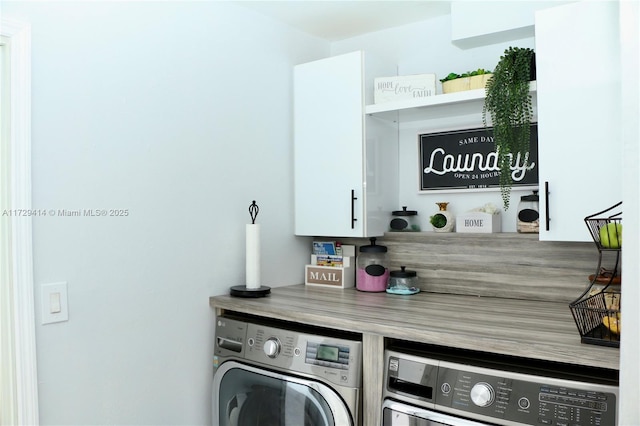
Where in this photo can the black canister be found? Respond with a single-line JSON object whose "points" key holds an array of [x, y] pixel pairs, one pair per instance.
{"points": [[404, 220], [529, 214]]}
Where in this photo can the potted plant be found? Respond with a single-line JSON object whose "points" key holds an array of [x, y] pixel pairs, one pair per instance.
{"points": [[466, 81], [443, 220], [508, 101], [438, 220]]}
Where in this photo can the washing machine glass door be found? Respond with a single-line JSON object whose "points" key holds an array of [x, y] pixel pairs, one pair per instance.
{"points": [[246, 395]]}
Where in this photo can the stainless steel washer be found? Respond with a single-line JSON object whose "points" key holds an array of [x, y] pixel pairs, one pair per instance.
{"points": [[271, 374], [448, 388]]}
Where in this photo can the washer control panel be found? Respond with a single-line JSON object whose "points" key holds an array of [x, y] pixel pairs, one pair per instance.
{"points": [[337, 360], [529, 401], [496, 396]]}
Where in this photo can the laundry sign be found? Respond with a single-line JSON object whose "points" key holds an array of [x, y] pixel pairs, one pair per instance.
{"points": [[467, 159]]}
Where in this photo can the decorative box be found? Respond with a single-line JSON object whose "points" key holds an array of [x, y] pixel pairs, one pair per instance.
{"points": [[332, 271], [478, 222], [400, 88]]}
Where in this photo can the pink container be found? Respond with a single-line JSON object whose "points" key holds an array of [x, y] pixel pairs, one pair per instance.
{"points": [[373, 271], [366, 282]]}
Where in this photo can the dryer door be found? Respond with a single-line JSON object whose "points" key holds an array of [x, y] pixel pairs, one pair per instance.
{"points": [[246, 395]]}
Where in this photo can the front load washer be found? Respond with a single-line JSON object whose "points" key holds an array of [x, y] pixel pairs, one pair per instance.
{"points": [[276, 373]]}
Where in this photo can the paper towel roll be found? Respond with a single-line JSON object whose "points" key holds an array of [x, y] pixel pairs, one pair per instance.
{"points": [[253, 256]]}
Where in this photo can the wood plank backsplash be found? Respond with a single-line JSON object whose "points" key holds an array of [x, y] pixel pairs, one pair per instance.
{"points": [[510, 265]]}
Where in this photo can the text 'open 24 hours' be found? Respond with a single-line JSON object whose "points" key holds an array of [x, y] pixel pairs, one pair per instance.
{"points": [[467, 159]]}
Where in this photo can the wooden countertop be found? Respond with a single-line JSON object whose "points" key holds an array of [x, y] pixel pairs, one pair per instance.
{"points": [[531, 329]]}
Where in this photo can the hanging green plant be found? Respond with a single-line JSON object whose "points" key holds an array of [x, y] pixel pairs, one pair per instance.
{"points": [[508, 101]]}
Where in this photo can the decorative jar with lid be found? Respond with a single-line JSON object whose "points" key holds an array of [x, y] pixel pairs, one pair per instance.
{"points": [[404, 220], [403, 281], [528, 214], [373, 269]]}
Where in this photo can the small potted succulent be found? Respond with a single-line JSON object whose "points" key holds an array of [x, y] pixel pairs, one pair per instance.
{"points": [[443, 220]]}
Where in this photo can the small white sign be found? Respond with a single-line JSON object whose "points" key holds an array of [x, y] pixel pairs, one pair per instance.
{"points": [[388, 89], [478, 222]]}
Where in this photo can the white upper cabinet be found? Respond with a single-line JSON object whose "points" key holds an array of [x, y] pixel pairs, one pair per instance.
{"points": [[579, 105], [345, 166]]}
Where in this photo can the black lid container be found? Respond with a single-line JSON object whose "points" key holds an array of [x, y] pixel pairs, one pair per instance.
{"points": [[528, 214], [373, 269], [403, 281], [404, 220]]}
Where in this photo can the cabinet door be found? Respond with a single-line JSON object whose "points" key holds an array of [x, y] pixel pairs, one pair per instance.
{"points": [[328, 146], [579, 104]]}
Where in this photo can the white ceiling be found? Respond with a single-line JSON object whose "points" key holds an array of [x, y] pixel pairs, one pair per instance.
{"points": [[338, 20]]}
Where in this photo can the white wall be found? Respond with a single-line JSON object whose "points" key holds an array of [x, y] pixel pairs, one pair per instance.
{"points": [[425, 48], [179, 112]]}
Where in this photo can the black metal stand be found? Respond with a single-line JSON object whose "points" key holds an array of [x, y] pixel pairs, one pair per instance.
{"points": [[594, 223], [243, 291], [597, 313]]}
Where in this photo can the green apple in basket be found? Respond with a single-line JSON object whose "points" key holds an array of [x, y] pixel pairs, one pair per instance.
{"points": [[611, 235]]}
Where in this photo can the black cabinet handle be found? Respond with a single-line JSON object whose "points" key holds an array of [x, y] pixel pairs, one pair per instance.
{"points": [[353, 209], [546, 202]]}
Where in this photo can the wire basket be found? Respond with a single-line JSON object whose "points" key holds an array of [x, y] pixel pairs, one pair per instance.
{"points": [[606, 228], [598, 318]]}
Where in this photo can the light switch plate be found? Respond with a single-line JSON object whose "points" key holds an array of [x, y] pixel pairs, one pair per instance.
{"points": [[54, 303]]}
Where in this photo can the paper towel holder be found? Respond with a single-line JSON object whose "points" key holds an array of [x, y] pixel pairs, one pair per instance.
{"points": [[244, 290]]}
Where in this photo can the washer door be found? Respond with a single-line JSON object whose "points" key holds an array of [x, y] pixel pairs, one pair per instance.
{"points": [[245, 395]]}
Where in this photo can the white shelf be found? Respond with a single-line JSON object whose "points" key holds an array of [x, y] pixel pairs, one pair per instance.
{"points": [[468, 96]]}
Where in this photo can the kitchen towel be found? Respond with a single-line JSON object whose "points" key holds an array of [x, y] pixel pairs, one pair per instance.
{"points": [[253, 256]]}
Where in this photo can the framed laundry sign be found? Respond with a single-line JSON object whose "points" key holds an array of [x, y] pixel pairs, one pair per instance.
{"points": [[466, 160]]}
